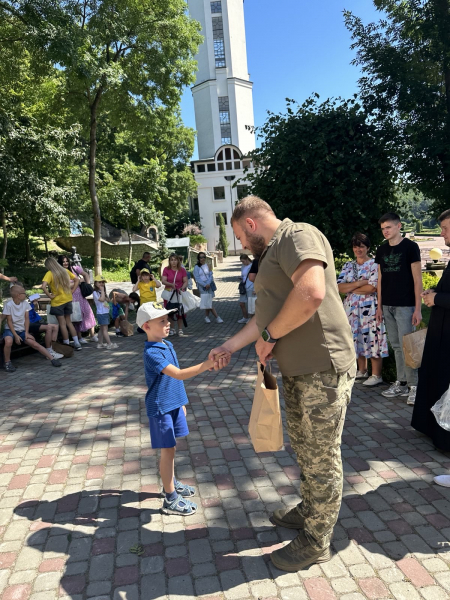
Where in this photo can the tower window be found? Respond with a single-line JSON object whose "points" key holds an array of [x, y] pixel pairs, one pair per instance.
{"points": [[218, 38], [224, 116], [200, 168], [218, 218], [216, 7], [219, 193]]}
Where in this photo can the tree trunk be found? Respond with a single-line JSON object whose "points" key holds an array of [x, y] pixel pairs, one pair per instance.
{"points": [[45, 244], [130, 247], [92, 186], [26, 235], [443, 22], [5, 237]]}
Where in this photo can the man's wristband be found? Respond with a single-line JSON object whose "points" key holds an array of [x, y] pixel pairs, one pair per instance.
{"points": [[267, 337]]}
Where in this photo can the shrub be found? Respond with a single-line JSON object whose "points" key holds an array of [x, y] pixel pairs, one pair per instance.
{"points": [[191, 229], [429, 281], [197, 239], [87, 231], [223, 242]]}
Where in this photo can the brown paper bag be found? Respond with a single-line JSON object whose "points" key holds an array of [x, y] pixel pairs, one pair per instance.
{"points": [[413, 345], [126, 328], [265, 427]]}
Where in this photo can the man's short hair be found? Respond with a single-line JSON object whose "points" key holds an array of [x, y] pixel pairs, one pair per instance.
{"points": [[146, 254], [251, 206], [390, 216], [444, 215], [360, 239]]}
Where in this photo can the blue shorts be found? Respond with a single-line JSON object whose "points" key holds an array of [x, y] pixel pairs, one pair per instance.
{"points": [[9, 333], [103, 319], [165, 428]]}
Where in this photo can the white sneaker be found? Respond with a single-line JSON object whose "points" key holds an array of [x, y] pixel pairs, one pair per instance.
{"points": [[111, 346], [412, 395], [94, 338], [101, 345], [443, 480], [219, 320], [207, 320], [396, 389], [83, 340], [181, 333], [373, 380], [172, 332], [243, 320], [56, 355], [362, 375]]}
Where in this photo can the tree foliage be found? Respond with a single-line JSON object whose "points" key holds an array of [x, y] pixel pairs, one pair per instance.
{"points": [[405, 60], [223, 242], [324, 164]]}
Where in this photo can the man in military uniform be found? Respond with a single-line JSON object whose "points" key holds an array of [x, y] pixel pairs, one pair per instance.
{"points": [[300, 321]]}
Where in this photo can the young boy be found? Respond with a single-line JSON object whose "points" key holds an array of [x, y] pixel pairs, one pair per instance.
{"points": [[165, 402], [17, 328]]}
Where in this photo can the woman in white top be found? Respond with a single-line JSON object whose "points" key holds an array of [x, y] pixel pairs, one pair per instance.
{"points": [[204, 279], [243, 299]]}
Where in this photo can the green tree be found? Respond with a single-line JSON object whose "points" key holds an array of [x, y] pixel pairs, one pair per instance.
{"points": [[123, 61], [324, 164], [405, 60], [223, 242]]}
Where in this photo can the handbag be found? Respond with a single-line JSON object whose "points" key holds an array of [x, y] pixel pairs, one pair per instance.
{"points": [[242, 287], [413, 346], [206, 301], [265, 427], [177, 307], [64, 349], [86, 289], [190, 302], [167, 294], [126, 328], [76, 315], [51, 319]]}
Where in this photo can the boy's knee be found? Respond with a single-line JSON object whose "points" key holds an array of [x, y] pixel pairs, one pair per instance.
{"points": [[8, 341]]}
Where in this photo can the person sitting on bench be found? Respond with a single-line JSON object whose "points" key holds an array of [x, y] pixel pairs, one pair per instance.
{"points": [[17, 328], [37, 326]]}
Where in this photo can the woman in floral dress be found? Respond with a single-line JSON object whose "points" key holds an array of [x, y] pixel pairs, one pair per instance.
{"points": [[358, 281]]}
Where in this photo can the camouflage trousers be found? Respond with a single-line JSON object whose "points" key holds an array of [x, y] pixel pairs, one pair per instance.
{"points": [[315, 412]]}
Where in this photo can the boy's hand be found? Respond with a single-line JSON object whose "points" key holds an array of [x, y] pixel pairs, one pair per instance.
{"points": [[17, 339]]}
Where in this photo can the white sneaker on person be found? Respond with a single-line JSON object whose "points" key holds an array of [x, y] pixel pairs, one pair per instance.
{"points": [[94, 338], [412, 395], [219, 320], [207, 320], [172, 332], [243, 320], [181, 332], [395, 389], [373, 380], [83, 340], [111, 346], [55, 355], [361, 375], [101, 345], [443, 480]]}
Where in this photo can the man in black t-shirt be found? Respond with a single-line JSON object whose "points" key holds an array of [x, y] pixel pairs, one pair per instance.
{"points": [[399, 298], [141, 264]]}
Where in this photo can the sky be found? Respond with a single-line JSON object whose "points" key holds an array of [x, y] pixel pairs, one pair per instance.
{"points": [[296, 48]]}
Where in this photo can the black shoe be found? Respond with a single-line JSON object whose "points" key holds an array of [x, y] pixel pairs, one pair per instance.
{"points": [[55, 362], [119, 334], [9, 367]]}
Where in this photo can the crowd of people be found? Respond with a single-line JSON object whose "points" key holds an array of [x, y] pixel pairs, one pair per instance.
{"points": [[321, 343]]}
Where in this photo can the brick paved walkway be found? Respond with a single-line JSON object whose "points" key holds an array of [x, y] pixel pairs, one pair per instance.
{"points": [[79, 514]]}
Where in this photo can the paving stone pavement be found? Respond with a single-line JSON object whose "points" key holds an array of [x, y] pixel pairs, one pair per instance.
{"points": [[80, 507]]}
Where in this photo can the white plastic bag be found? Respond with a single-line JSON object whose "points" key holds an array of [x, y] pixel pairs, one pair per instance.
{"points": [[206, 301], [441, 411], [190, 302], [251, 305]]}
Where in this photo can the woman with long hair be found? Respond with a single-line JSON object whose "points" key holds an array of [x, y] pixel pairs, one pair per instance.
{"points": [[56, 286], [204, 279], [174, 278], [87, 322]]}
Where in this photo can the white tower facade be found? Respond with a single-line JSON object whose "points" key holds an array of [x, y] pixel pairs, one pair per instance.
{"points": [[223, 103]]}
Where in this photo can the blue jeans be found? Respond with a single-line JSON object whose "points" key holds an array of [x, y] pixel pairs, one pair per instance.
{"points": [[398, 320]]}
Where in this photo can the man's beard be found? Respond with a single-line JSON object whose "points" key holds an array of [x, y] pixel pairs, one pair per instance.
{"points": [[256, 243]]}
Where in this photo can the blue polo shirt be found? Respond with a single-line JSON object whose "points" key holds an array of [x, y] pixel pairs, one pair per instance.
{"points": [[164, 393]]}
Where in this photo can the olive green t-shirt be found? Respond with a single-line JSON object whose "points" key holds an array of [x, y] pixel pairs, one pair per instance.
{"points": [[325, 341]]}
